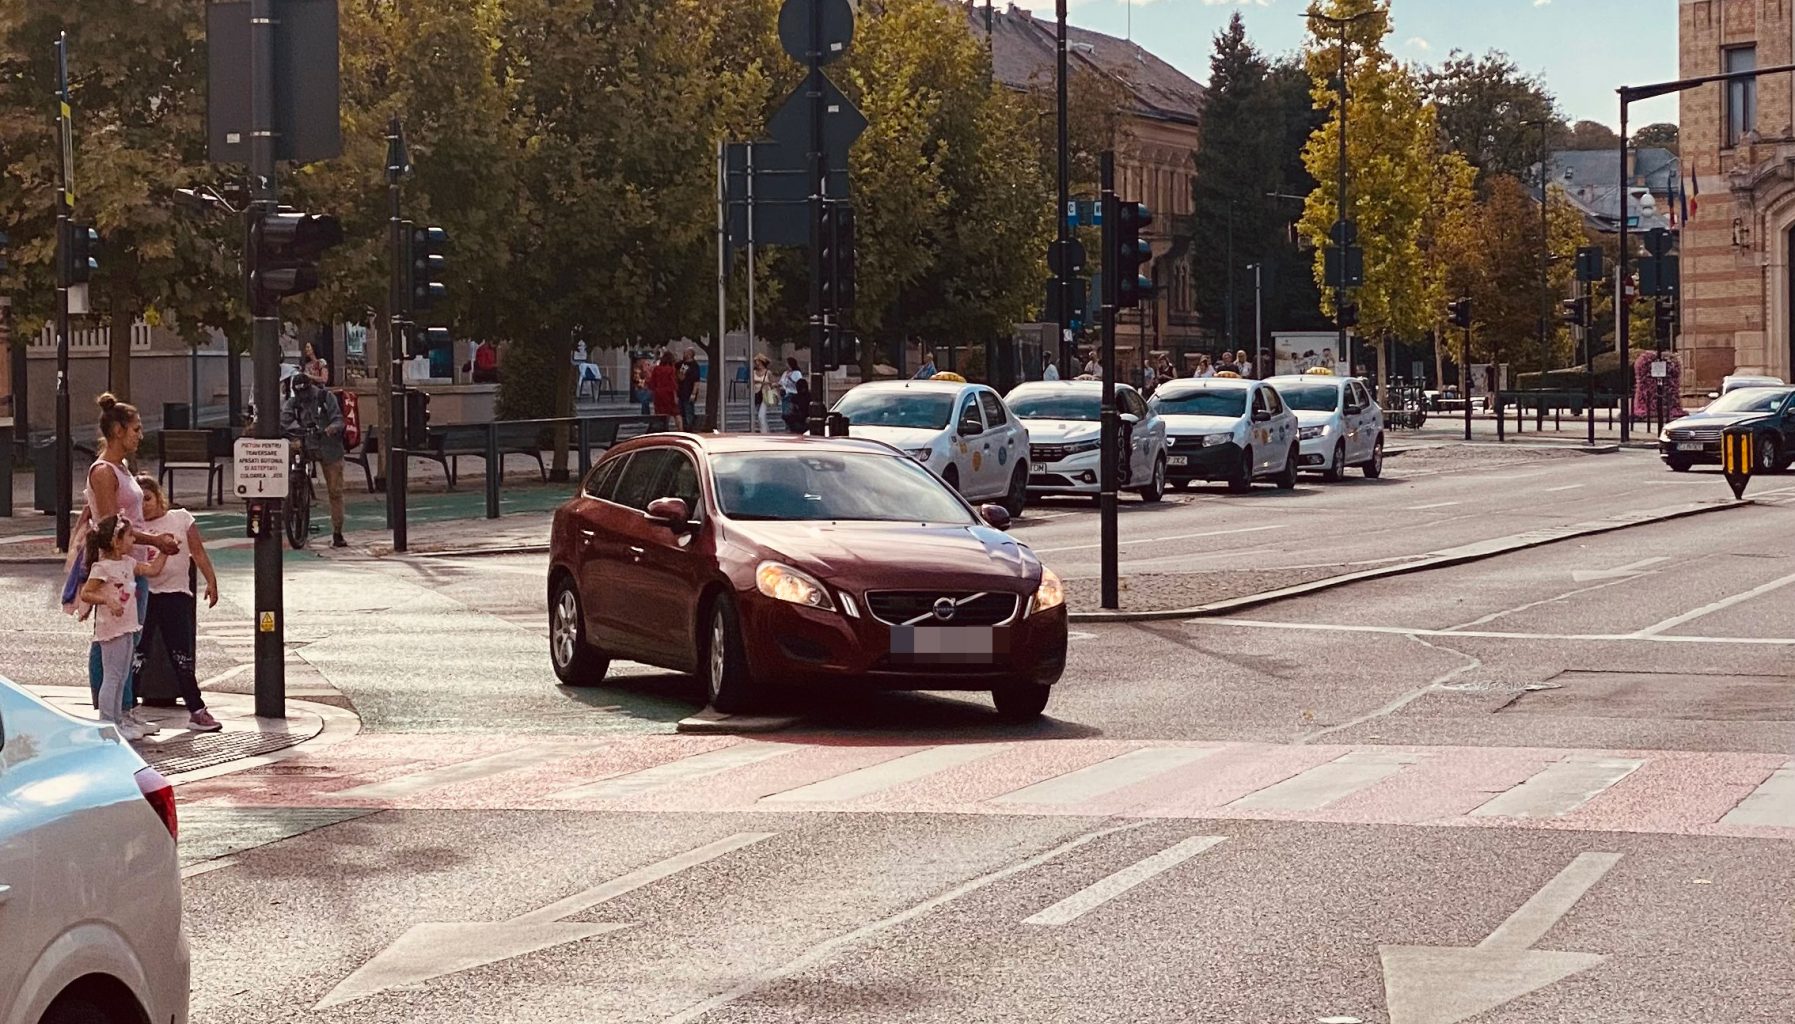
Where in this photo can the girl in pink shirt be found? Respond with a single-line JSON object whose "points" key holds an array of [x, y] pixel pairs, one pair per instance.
{"points": [[112, 588]]}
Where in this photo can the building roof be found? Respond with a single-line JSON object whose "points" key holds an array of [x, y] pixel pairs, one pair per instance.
{"points": [[1658, 169], [1024, 56]]}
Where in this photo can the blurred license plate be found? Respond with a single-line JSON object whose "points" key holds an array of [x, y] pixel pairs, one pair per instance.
{"points": [[944, 644], [1177, 460], [1689, 446]]}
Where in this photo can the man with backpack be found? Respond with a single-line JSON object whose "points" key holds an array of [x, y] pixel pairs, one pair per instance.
{"points": [[312, 416]]}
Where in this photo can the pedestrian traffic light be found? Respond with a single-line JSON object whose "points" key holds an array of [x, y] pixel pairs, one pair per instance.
{"points": [[838, 255], [1132, 253], [80, 254], [417, 414], [1666, 316], [1574, 311], [1589, 263], [1348, 315], [283, 253], [426, 264], [1458, 312]]}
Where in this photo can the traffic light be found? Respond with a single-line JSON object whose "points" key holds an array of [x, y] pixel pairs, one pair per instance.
{"points": [[425, 264], [838, 255], [284, 252], [80, 254], [1348, 315], [421, 341], [1458, 312], [1132, 253], [417, 414], [1666, 316], [1574, 311], [1589, 263]]}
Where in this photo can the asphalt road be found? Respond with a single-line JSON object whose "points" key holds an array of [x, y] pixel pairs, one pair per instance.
{"points": [[1556, 785]]}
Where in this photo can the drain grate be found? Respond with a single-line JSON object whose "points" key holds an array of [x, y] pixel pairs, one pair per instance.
{"points": [[203, 750]]}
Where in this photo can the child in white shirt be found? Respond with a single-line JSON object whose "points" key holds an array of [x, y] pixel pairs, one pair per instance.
{"points": [[172, 612], [112, 587]]}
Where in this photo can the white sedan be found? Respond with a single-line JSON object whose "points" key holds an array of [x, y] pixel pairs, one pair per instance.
{"points": [[1341, 424], [962, 432], [90, 888], [1229, 429], [1064, 420]]}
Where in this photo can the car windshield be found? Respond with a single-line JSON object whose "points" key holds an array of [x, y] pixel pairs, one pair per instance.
{"points": [[1231, 402], [1061, 405], [1311, 397], [897, 407], [833, 486], [1750, 400]]}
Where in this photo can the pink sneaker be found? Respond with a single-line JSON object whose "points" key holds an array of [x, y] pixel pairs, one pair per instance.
{"points": [[202, 721]]}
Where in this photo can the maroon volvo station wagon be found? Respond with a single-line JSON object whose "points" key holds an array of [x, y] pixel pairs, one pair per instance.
{"points": [[755, 561]]}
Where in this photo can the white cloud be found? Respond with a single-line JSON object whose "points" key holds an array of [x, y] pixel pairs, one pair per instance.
{"points": [[1418, 43], [1541, 3]]}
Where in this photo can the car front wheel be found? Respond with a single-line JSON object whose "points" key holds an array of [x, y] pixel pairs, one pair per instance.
{"points": [[1337, 465], [1770, 456], [576, 662], [727, 679], [1242, 480], [1017, 499], [1020, 702]]}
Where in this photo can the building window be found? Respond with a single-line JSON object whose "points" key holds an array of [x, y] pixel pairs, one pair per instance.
{"points": [[1741, 95]]}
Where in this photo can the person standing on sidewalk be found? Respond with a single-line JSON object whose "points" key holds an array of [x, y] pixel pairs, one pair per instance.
{"points": [[663, 384], [689, 374], [112, 574], [788, 385], [172, 612], [766, 391], [313, 416]]}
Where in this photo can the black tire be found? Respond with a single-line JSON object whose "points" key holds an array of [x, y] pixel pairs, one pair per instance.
{"points": [[72, 1009], [1020, 702], [1336, 468], [1242, 480], [1770, 455], [576, 661], [1180, 485], [1017, 499], [1287, 479], [951, 477], [1375, 467], [1680, 463], [299, 512], [728, 681], [1156, 486]]}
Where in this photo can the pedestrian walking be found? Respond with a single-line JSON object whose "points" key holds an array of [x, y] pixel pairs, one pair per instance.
{"points": [[113, 571], [663, 384], [315, 368], [788, 385], [1245, 365], [689, 375], [172, 613], [638, 387], [313, 417], [798, 416], [1052, 372], [766, 391], [928, 366]]}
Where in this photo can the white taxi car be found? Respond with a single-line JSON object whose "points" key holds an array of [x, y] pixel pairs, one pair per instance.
{"points": [[1064, 420], [90, 888], [1227, 428], [962, 432], [1341, 424]]}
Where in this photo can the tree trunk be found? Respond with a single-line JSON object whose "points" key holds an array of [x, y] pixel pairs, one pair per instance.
{"points": [[1439, 361], [1382, 349]]}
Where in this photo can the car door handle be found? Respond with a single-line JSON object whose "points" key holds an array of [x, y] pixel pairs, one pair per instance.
{"points": [[637, 551]]}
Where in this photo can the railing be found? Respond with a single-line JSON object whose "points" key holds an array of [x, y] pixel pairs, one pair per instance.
{"points": [[535, 438]]}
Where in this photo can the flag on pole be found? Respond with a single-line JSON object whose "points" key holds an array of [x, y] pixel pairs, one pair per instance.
{"points": [[1691, 199]]}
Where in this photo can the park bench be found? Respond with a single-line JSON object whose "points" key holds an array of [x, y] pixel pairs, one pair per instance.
{"points": [[196, 451]]}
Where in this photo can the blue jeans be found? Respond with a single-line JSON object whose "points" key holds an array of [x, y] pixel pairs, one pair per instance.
{"points": [[688, 410], [96, 669]]}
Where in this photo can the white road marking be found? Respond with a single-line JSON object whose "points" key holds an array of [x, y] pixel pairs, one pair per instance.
{"points": [[1102, 891], [1618, 572], [229, 673], [695, 767], [822, 951], [580, 902], [1772, 803], [465, 771], [1092, 781], [1326, 783], [1437, 504], [1566, 487], [1156, 540], [1536, 917], [1716, 606], [1559, 788], [1333, 627], [895, 772]]}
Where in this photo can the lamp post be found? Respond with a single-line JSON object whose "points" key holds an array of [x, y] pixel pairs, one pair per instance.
{"points": [[1545, 237], [1266, 369], [1062, 278], [1341, 177]]}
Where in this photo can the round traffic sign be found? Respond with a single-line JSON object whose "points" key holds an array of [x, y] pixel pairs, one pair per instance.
{"points": [[835, 22]]}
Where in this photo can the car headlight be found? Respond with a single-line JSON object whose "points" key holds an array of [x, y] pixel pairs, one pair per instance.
{"points": [[921, 454], [784, 583], [1211, 440], [1311, 433], [1050, 594], [1080, 447], [1664, 437]]}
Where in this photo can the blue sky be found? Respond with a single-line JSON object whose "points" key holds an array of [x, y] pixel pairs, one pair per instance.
{"points": [[1584, 49]]}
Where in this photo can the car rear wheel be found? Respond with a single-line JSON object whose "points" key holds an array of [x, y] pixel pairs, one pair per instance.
{"points": [[1287, 479], [1156, 487], [1375, 467], [576, 662], [1680, 463], [1020, 702], [1336, 466], [1770, 456], [727, 679], [1242, 480], [1017, 499]]}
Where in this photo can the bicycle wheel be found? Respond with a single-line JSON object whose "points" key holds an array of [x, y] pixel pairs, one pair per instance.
{"points": [[299, 511]]}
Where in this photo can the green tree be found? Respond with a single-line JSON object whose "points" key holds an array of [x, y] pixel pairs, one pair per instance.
{"points": [[1239, 159], [1484, 105], [1662, 135], [1591, 135]]}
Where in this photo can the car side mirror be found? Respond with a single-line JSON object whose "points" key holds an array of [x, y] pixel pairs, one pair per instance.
{"points": [[995, 516], [673, 513], [1261, 415], [1130, 418]]}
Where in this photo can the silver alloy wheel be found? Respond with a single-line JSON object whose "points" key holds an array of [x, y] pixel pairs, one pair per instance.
{"points": [[719, 652], [565, 629], [1159, 475], [1377, 457]]}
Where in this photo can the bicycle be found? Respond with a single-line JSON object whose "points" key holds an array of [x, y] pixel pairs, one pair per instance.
{"points": [[299, 495]]}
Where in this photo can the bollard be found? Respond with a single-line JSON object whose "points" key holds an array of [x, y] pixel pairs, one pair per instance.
{"points": [[1738, 457], [494, 470]]}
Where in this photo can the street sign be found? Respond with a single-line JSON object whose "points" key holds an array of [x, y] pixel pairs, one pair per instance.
{"points": [[842, 123], [781, 193], [1589, 263], [260, 466], [1067, 261], [1347, 273], [837, 29], [1084, 213], [1738, 455], [1660, 369], [1344, 232], [1659, 275], [1657, 241]]}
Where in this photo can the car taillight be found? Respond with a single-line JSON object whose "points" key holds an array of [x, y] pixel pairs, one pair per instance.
{"points": [[161, 796]]}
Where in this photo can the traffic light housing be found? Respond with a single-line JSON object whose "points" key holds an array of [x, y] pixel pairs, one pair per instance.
{"points": [[1666, 319], [425, 264], [1574, 311], [1348, 315], [1132, 253], [80, 254], [1458, 312], [284, 252], [838, 255], [417, 414]]}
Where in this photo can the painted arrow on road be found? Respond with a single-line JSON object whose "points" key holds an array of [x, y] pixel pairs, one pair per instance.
{"points": [[1445, 985], [434, 949], [1619, 572]]}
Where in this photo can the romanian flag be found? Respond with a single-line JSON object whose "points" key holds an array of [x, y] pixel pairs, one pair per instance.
{"points": [[1690, 198]]}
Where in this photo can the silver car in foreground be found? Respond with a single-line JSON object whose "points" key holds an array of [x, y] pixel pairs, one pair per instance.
{"points": [[1340, 424], [90, 888]]}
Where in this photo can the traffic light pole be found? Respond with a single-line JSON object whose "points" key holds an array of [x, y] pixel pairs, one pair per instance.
{"points": [[819, 185], [1062, 278], [399, 303], [270, 646], [1464, 372], [65, 197], [1589, 360], [1111, 586]]}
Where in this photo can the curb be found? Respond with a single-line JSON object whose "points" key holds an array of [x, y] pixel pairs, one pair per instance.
{"points": [[1437, 560]]}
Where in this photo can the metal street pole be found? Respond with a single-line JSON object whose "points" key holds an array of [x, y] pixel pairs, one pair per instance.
{"points": [[717, 373], [270, 646], [1620, 291], [1111, 422], [1062, 278], [1545, 242], [1464, 376], [1340, 205], [819, 184], [1589, 359], [1265, 368], [65, 201], [398, 165]]}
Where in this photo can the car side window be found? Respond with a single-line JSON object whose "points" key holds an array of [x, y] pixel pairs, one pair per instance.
{"points": [[1360, 396], [1259, 401], [1131, 403], [969, 423], [640, 479], [682, 483], [1272, 401], [602, 481], [994, 414]]}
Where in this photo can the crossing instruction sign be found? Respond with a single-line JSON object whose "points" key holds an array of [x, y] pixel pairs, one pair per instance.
{"points": [[261, 466]]}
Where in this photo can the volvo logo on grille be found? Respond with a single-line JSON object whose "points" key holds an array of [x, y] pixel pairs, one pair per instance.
{"points": [[946, 609]]}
